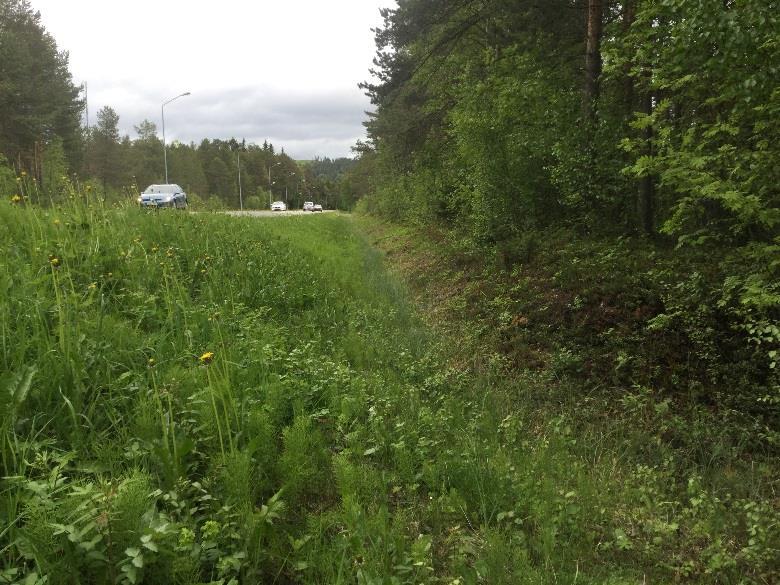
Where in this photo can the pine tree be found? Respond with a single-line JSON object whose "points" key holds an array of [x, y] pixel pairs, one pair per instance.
{"points": [[104, 150], [38, 99]]}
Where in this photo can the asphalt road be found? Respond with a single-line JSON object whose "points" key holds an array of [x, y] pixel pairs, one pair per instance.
{"points": [[266, 213]]}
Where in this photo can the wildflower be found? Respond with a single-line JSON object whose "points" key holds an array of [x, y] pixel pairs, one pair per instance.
{"points": [[155, 248], [210, 530], [151, 362], [24, 173], [92, 286], [207, 357], [54, 261], [16, 198], [89, 188], [186, 537], [56, 222]]}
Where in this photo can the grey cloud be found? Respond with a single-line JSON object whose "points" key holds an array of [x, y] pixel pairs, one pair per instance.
{"points": [[305, 124]]}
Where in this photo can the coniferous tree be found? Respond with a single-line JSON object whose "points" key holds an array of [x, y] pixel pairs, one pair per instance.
{"points": [[147, 155], [104, 153], [38, 99]]}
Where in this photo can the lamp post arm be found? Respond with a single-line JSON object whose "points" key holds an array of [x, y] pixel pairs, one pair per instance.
{"points": [[165, 146]]}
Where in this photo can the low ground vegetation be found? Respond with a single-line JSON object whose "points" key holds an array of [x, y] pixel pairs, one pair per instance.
{"points": [[647, 371], [195, 398]]}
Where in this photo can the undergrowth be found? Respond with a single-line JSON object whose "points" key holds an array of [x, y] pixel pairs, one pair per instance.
{"points": [[641, 365], [191, 398]]}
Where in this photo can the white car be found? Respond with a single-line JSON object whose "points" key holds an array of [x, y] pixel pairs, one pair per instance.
{"points": [[308, 206], [316, 207], [278, 206], [163, 196]]}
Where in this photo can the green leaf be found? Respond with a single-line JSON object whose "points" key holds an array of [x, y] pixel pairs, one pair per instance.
{"points": [[131, 573]]}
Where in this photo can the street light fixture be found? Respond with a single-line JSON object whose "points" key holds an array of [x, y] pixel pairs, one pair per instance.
{"points": [[292, 174], [240, 192], [270, 183], [165, 148]]}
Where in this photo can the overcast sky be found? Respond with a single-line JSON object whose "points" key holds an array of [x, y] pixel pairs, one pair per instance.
{"points": [[282, 70]]}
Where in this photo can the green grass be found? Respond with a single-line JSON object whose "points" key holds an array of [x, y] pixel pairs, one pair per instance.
{"points": [[331, 438]]}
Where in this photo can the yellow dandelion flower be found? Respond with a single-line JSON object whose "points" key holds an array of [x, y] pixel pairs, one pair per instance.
{"points": [[207, 357], [151, 362], [92, 286], [54, 261], [16, 198], [56, 222]]}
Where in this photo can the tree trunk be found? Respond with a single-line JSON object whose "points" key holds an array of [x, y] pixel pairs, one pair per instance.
{"points": [[629, 13], [593, 57], [647, 184]]}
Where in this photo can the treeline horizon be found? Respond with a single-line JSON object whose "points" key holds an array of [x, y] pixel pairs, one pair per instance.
{"points": [[42, 137]]}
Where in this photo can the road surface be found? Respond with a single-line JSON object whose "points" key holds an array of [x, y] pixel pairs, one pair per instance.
{"points": [[266, 213]]}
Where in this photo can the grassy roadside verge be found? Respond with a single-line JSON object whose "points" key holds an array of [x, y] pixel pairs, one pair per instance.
{"points": [[206, 399], [663, 488]]}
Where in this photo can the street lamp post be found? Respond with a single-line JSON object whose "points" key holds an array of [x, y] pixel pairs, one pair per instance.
{"points": [[292, 174], [285, 188], [240, 192], [165, 148], [270, 183]]}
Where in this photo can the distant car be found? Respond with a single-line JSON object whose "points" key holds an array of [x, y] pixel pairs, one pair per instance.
{"points": [[308, 206], [163, 196], [317, 207], [278, 206]]}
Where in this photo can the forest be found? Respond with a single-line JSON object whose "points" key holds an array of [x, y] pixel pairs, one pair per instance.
{"points": [[644, 128], [601, 181]]}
